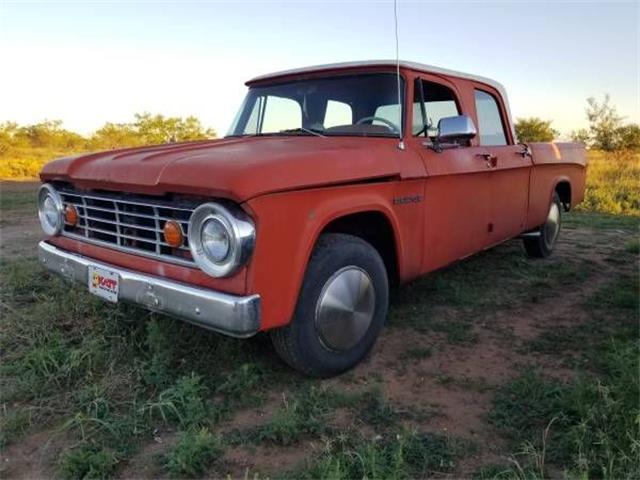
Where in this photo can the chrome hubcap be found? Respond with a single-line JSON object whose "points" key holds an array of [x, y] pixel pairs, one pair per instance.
{"points": [[345, 308], [552, 225]]}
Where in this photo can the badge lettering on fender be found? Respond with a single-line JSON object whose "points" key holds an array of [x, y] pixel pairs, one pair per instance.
{"points": [[407, 200]]}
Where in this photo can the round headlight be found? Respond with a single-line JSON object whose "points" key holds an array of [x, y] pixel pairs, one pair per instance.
{"points": [[50, 210], [220, 241], [216, 239]]}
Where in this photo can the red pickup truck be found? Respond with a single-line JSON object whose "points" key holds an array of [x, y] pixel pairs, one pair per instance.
{"points": [[334, 183]]}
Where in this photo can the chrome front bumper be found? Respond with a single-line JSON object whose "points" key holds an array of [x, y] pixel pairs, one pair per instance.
{"points": [[228, 314]]}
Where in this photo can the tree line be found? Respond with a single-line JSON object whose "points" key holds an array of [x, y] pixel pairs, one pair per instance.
{"points": [[145, 129], [606, 129], [606, 132]]}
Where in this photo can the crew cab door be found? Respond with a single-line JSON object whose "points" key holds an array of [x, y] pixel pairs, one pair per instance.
{"points": [[457, 188], [509, 168]]}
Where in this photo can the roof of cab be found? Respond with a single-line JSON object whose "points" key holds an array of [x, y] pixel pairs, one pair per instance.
{"points": [[421, 67], [380, 63]]}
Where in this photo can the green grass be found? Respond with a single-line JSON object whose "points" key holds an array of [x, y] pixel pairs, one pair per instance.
{"points": [[476, 288], [195, 451], [183, 403], [601, 221], [13, 424], [309, 413], [88, 461], [304, 413], [17, 200], [614, 316], [417, 353], [405, 454], [633, 246], [108, 377], [592, 421]]}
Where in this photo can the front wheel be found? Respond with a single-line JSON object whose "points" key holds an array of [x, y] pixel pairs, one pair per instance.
{"points": [[341, 309], [544, 238]]}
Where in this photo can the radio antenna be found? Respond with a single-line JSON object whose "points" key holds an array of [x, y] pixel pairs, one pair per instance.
{"points": [[395, 17]]}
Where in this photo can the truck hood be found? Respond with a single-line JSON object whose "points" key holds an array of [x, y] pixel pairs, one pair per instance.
{"points": [[235, 168]]}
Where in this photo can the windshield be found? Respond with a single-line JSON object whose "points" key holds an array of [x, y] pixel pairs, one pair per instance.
{"points": [[357, 105]]}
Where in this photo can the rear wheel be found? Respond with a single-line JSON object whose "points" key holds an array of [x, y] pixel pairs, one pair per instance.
{"points": [[341, 309], [544, 238]]}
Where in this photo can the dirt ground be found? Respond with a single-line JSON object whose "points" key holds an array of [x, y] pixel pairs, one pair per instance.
{"points": [[19, 227], [454, 383]]}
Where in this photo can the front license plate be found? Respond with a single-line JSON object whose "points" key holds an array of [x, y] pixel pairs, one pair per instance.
{"points": [[104, 283]]}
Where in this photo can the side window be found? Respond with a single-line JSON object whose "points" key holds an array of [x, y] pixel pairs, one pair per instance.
{"points": [[280, 113], [489, 120], [439, 102], [337, 113], [254, 118]]}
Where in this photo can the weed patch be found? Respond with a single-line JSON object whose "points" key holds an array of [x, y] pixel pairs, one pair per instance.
{"points": [[89, 461], [402, 455], [182, 403], [195, 451], [304, 414]]}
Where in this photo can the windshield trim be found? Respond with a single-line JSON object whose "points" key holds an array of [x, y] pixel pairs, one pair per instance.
{"points": [[303, 134]]}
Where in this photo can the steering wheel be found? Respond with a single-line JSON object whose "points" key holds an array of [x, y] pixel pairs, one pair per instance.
{"points": [[389, 124]]}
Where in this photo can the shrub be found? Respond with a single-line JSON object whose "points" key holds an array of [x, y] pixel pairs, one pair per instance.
{"points": [[534, 130]]}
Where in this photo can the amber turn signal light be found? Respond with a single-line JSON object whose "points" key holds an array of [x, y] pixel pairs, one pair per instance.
{"points": [[173, 235], [71, 215]]}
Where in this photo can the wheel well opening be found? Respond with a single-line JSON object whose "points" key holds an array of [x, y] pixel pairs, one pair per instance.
{"points": [[374, 228], [563, 189]]}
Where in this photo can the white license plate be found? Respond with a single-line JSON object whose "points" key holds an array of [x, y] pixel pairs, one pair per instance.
{"points": [[104, 283]]}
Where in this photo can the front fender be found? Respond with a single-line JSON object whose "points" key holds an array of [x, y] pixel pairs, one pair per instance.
{"points": [[289, 224]]}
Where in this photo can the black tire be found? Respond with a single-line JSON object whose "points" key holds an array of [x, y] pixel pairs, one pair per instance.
{"points": [[300, 343], [542, 245]]}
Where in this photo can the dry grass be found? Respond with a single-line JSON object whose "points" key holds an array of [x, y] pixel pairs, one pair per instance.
{"points": [[613, 180], [26, 163], [613, 183]]}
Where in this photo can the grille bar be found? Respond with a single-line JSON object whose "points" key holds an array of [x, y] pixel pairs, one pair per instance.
{"points": [[118, 223], [151, 217], [130, 224], [119, 200]]}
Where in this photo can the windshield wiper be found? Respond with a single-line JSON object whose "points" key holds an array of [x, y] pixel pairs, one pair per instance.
{"points": [[281, 132], [305, 130]]}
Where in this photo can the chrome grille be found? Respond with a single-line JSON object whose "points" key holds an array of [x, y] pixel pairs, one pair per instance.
{"points": [[128, 223]]}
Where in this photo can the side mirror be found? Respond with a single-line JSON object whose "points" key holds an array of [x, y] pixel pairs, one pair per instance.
{"points": [[455, 129]]}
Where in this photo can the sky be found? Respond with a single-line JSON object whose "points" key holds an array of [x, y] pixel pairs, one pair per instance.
{"points": [[87, 63]]}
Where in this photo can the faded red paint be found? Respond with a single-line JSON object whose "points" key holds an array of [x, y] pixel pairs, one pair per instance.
{"points": [[294, 186]]}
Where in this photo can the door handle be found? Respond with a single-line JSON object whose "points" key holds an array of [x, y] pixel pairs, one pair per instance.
{"points": [[491, 159], [525, 152]]}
